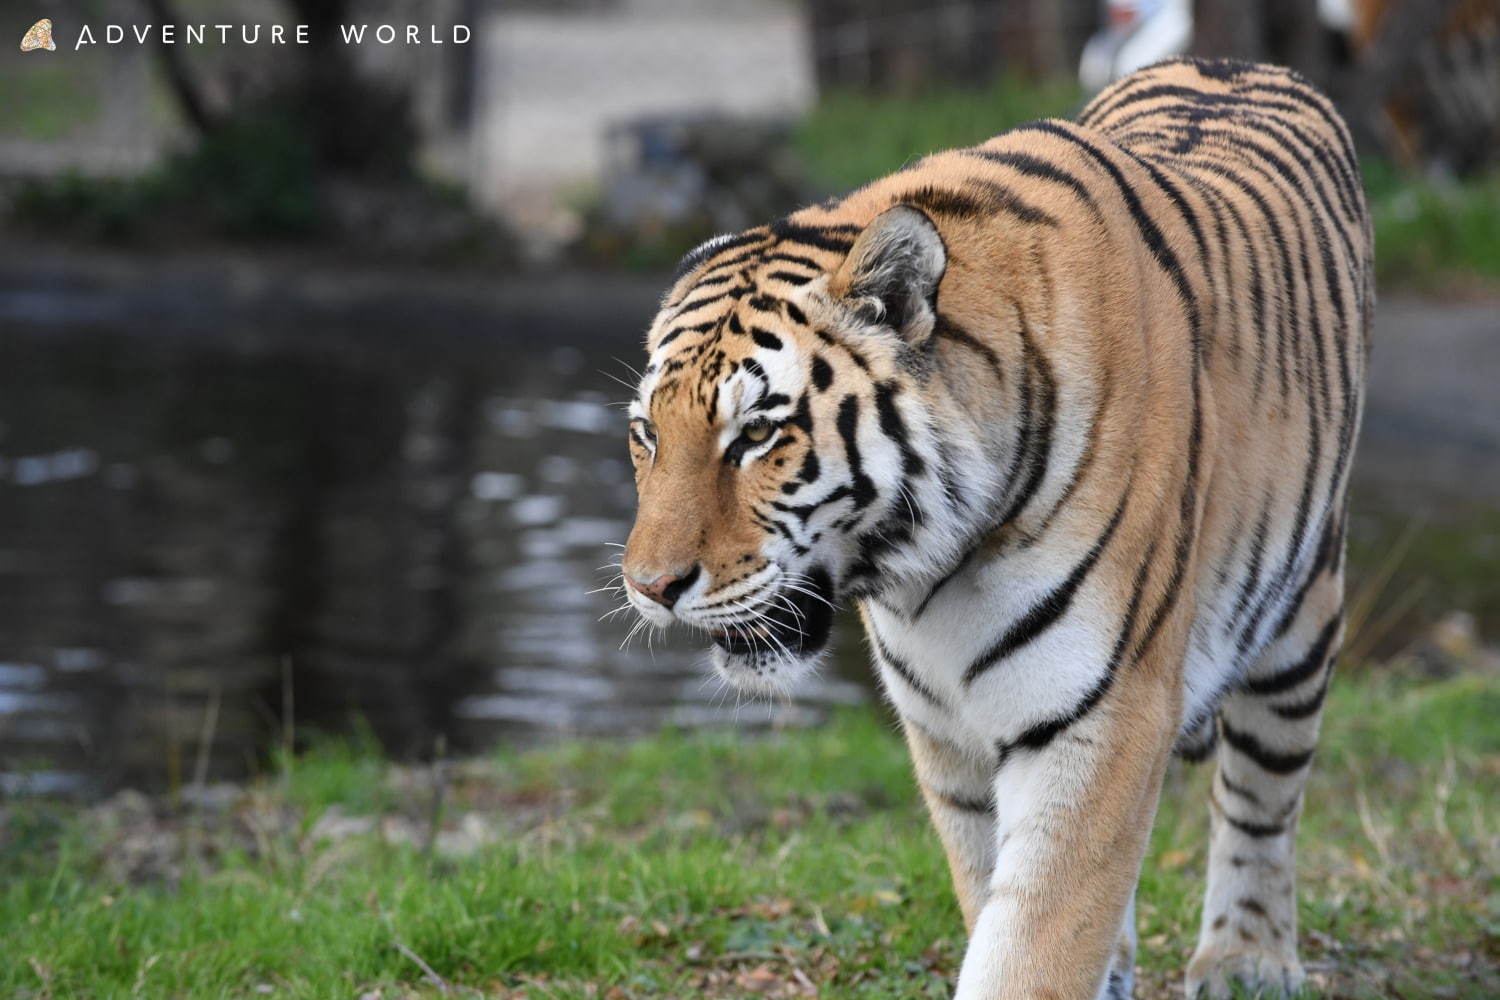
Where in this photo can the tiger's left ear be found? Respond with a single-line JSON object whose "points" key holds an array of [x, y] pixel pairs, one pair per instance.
{"points": [[892, 272]]}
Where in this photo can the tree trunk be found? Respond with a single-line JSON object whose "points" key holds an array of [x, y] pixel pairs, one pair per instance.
{"points": [[179, 76]]}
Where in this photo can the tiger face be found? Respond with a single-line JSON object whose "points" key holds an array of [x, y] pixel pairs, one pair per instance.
{"points": [[776, 437]]}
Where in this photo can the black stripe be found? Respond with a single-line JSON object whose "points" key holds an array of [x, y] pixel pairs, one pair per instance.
{"points": [[1174, 195], [863, 490], [1033, 166], [678, 331], [1252, 569], [1041, 734], [786, 533], [1287, 302], [1304, 669], [1267, 759], [837, 238], [977, 199], [803, 512], [944, 580], [1197, 753], [855, 356], [1049, 609], [1240, 139], [1308, 96], [713, 248], [822, 373], [1240, 790], [1150, 233], [1257, 281], [770, 402], [1202, 102], [716, 279], [810, 467], [893, 427], [1038, 427], [792, 258], [949, 330], [964, 803], [1303, 709], [765, 339], [1258, 830], [900, 668], [704, 300]]}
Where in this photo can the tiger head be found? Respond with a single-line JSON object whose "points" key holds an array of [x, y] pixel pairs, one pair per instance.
{"points": [[781, 445]]}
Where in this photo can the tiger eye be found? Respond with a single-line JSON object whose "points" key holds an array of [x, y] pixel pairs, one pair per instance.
{"points": [[757, 432]]}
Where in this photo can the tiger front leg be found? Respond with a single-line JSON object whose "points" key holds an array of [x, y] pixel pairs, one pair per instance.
{"points": [[1073, 818], [959, 789]]}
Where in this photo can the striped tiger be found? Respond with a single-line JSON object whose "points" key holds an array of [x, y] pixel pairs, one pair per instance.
{"points": [[1069, 415]]}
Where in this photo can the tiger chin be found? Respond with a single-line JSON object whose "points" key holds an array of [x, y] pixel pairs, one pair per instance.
{"points": [[1068, 415], [772, 657]]}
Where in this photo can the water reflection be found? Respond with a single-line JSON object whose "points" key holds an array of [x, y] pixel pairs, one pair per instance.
{"points": [[201, 535]]}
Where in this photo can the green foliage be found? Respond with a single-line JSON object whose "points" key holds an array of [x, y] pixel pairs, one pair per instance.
{"points": [[48, 98], [681, 864], [255, 176], [101, 207], [850, 138], [1432, 234]]}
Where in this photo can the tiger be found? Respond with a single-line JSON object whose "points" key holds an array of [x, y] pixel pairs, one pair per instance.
{"points": [[1069, 416]]}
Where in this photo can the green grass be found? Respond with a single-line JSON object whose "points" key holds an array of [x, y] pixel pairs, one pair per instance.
{"points": [[849, 138], [1434, 236], [719, 864], [48, 99]]}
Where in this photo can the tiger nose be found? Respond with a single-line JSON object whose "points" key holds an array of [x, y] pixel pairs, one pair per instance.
{"points": [[665, 589]]}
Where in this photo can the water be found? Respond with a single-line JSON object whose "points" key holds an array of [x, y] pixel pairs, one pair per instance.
{"points": [[226, 501]]}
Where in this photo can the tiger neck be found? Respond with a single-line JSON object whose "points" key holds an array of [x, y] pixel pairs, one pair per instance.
{"points": [[1002, 469]]}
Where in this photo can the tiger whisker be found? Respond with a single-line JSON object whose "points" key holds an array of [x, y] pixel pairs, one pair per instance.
{"points": [[808, 592], [634, 629]]}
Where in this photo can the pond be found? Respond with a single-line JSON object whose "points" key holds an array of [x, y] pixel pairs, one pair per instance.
{"points": [[227, 504], [239, 499]]}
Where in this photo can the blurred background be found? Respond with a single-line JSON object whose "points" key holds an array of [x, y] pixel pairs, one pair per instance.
{"points": [[307, 353]]}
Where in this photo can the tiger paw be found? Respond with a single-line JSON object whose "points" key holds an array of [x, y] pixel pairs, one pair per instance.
{"points": [[1220, 974]]}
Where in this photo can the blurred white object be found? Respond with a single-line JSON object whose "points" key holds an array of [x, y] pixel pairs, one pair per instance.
{"points": [[1337, 14], [1137, 33]]}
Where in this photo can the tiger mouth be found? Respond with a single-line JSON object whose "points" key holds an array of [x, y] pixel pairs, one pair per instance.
{"points": [[797, 621]]}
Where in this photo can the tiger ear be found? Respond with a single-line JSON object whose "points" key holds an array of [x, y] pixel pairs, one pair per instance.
{"points": [[892, 272]]}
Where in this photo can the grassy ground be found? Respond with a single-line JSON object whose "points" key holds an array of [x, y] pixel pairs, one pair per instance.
{"points": [[849, 138], [1437, 237], [795, 864]]}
